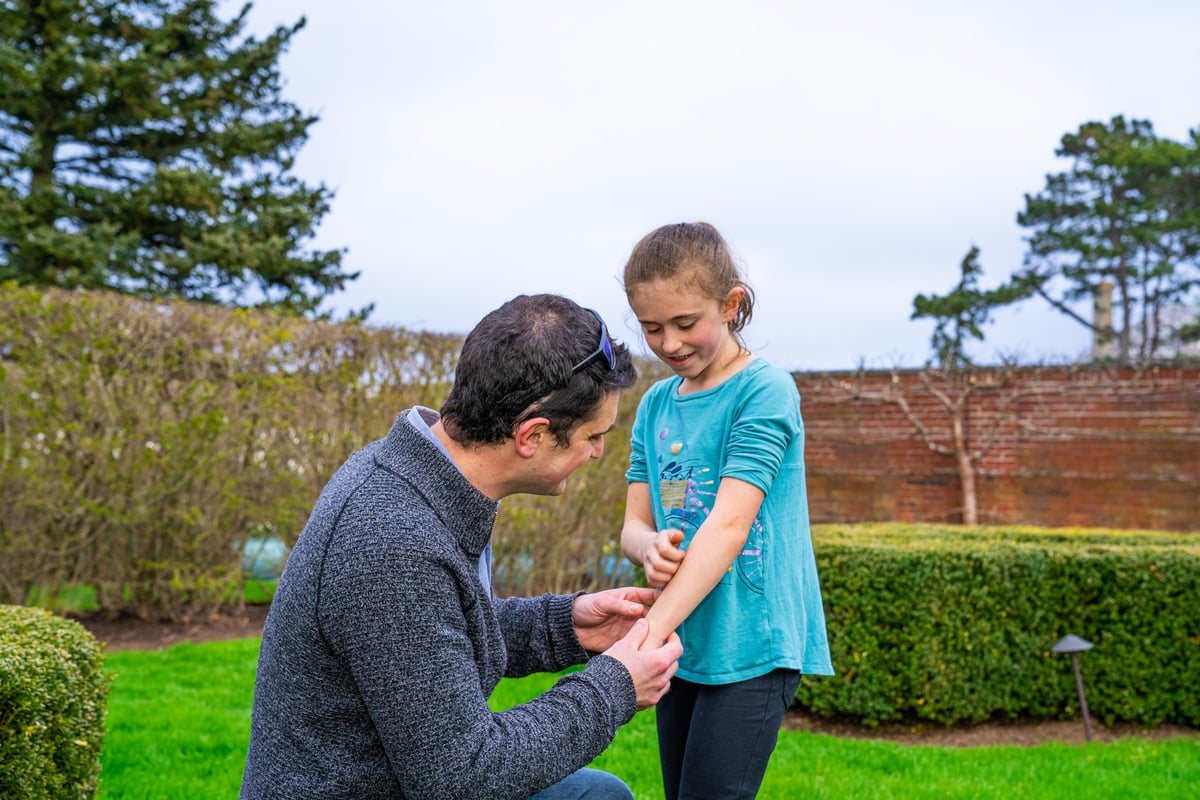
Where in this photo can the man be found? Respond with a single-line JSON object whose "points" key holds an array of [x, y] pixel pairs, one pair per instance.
{"points": [[384, 641]]}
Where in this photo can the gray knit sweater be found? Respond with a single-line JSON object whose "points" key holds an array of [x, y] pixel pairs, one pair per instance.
{"points": [[382, 647]]}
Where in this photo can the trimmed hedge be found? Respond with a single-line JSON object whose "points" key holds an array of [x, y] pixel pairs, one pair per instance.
{"points": [[955, 625], [53, 695]]}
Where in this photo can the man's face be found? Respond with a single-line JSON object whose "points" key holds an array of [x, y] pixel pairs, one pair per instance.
{"points": [[552, 463]]}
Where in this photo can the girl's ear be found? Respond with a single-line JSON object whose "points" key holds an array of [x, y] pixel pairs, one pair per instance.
{"points": [[733, 302]]}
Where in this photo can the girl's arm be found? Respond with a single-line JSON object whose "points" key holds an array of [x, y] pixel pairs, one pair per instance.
{"points": [[710, 554], [656, 551]]}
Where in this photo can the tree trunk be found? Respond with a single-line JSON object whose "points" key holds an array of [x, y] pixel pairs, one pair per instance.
{"points": [[966, 469]]}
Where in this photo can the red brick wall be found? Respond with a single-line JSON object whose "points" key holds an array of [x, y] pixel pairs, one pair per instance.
{"points": [[1056, 446]]}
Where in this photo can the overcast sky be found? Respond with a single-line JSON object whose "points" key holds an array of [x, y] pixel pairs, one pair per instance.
{"points": [[850, 152]]}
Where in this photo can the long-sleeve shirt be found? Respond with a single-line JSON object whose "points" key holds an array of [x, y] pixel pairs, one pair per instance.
{"points": [[766, 612]]}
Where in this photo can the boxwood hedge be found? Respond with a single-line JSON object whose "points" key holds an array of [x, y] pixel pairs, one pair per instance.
{"points": [[956, 625], [53, 695]]}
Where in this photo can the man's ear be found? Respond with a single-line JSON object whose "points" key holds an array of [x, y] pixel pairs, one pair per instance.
{"points": [[529, 435]]}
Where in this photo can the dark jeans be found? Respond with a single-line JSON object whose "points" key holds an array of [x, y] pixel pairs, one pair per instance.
{"points": [[715, 741]]}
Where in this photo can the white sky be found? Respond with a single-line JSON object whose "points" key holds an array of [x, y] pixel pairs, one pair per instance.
{"points": [[850, 152]]}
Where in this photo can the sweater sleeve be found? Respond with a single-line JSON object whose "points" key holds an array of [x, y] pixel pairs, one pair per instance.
{"points": [[539, 634], [398, 620]]}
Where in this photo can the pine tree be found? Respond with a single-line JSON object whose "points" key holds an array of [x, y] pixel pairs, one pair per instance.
{"points": [[962, 313], [145, 147], [1125, 213]]}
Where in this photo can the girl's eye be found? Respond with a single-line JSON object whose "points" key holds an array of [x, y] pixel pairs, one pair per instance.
{"points": [[687, 326]]}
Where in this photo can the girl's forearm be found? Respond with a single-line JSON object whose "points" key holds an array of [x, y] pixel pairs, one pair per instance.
{"points": [[638, 530], [635, 539], [709, 557]]}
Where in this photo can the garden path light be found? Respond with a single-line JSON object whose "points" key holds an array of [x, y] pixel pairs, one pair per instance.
{"points": [[1074, 645]]}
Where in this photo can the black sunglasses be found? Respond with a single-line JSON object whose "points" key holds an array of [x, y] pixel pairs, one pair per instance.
{"points": [[605, 348]]}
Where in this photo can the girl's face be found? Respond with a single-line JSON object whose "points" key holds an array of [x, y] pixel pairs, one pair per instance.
{"points": [[687, 329]]}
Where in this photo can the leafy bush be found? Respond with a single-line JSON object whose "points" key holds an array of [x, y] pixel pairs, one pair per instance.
{"points": [[53, 693], [141, 443], [954, 624]]}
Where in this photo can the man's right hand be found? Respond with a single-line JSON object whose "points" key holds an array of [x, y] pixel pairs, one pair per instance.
{"points": [[651, 669]]}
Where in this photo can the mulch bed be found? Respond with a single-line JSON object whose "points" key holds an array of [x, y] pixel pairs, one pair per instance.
{"points": [[1016, 732], [132, 633]]}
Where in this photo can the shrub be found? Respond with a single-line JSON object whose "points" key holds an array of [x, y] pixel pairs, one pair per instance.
{"points": [[142, 443], [53, 694], [952, 624]]}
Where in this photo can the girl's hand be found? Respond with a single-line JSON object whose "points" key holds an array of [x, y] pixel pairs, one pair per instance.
{"points": [[662, 557]]}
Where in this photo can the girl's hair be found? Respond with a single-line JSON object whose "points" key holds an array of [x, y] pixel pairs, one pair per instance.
{"points": [[697, 251]]}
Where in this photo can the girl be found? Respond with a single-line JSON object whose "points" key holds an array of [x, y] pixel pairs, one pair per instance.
{"points": [[717, 472]]}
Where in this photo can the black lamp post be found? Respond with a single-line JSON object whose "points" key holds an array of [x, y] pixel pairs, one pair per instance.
{"points": [[1074, 645]]}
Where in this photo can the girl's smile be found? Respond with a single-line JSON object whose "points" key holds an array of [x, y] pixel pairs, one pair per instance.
{"points": [[688, 330]]}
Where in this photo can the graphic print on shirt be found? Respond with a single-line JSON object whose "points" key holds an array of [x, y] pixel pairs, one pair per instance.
{"points": [[687, 492]]}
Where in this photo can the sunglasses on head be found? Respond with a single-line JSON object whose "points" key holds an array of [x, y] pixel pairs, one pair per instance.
{"points": [[604, 349]]}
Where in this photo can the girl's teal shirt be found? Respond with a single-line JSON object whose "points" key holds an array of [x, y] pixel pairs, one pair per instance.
{"points": [[766, 613]]}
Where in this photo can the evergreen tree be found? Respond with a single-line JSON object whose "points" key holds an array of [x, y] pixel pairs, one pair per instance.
{"points": [[145, 147], [1126, 213], [962, 313]]}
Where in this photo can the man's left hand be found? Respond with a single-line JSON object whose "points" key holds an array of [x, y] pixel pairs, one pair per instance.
{"points": [[603, 618]]}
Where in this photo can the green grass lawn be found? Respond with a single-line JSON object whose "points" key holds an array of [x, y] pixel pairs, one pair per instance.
{"points": [[179, 721]]}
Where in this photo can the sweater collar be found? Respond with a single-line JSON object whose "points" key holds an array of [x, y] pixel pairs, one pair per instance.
{"points": [[465, 511]]}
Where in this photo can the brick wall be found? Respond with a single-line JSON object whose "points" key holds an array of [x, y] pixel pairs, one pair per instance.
{"points": [[1055, 446]]}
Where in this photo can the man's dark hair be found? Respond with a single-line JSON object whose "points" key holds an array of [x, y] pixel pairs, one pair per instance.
{"points": [[517, 364]]}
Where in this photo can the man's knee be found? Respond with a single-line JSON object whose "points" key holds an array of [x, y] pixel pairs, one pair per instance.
{"points": [[608, 787], [587, 784]]}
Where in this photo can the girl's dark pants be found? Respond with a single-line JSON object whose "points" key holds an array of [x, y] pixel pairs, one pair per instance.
{"points": [[715, 741]]}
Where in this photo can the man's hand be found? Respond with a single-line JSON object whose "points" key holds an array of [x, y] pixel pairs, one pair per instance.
{"points": [[651, 669], [603, 618], [662, 556]]}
